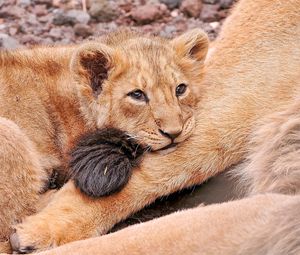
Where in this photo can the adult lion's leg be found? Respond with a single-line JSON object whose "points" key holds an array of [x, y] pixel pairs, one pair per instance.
{"points": [[273, 163], [21, 177], [211, 229]]}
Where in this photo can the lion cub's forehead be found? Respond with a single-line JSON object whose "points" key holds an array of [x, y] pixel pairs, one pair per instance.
{"points": [[151, 62], [147, 51]]}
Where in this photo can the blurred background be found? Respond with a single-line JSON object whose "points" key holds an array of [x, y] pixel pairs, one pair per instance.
{"points": [[31, 22]]}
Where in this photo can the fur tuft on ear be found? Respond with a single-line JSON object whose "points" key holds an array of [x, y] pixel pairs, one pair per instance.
{"points": [[91, 64], [102, 161], [192, 44]]}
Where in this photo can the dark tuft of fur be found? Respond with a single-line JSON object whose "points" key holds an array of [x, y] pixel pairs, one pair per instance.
{"points": [[97, 66], [101, 163]]}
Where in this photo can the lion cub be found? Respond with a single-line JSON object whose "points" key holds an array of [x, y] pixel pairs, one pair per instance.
{"points": [[146, 86]]}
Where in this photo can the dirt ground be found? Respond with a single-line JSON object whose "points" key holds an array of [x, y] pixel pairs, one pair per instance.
{"points": [[44, 22]]}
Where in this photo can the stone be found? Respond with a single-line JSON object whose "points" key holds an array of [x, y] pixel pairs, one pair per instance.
{"points": [[56, 3], [226, 4], [24, 3], [13, 31], [222, 14], [168, 31], [60, 18], [12, 11], [210, 13], [65, 41], [7, 42], [32, 19], [210, 1], [175, 13], [126, 5], [30, 39], [143, 2], [103, 10], [83, 30], [47, 41], [79, 16], [55, 33], [171, 4], [214, 24], [71, 17], [40, 9], [45, 18], [191, 8], [67, 32], [48, 3], [148, 13]]}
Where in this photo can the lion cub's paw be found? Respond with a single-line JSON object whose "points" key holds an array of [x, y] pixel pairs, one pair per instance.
{"points": [[32, 235], [46, 230]]}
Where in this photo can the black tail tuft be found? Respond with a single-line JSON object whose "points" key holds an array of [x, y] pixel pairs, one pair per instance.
{"points": [[101, 163]]}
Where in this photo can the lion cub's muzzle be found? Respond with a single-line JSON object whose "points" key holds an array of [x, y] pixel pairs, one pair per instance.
{"points": [[171, 137]]}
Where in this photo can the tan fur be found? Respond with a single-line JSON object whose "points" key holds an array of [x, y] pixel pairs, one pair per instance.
{"points": [[262, 224], [252, 72], [51, 96], [154, 66], [215, 229], [20, 182], [273, 164]]}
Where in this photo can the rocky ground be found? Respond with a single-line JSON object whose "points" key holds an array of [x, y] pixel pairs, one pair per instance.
{"points": [[31, 22]]}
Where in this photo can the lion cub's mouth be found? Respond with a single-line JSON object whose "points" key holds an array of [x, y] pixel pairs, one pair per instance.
{"points": [[171, 145], [167, 149]]}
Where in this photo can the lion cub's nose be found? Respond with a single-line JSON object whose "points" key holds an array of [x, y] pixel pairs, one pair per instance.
{"points": [[171, 134]]}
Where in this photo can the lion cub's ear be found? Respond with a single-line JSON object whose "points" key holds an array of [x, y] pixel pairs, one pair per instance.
{"points": [[193, 44], [91, 64]]}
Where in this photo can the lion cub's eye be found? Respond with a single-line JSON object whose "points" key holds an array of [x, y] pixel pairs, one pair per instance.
{"points": [[138, 95], [180, 89]]}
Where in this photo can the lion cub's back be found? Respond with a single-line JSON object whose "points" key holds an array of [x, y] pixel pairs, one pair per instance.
{"points": [[30, 82]]}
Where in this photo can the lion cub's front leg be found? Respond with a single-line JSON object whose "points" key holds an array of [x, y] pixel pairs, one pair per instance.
{"points": [[69, 216], [73, 216]]}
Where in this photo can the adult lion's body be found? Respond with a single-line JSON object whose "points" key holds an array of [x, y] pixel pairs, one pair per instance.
{"points": [[252, 71]]}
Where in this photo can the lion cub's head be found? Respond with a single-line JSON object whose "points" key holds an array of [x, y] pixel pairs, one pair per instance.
{"points": [[147, 86]]}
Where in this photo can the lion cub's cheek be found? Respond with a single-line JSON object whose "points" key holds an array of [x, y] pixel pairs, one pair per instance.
{"points": [[190, 101], [188, 129], [130, 110], [128, 117], [122, 114]]}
